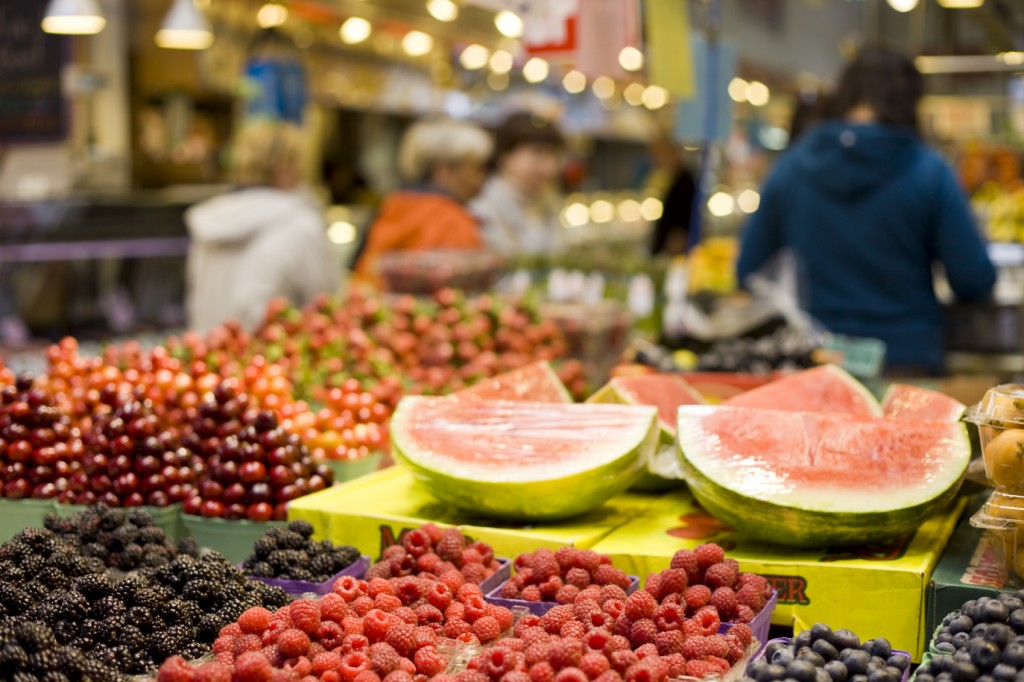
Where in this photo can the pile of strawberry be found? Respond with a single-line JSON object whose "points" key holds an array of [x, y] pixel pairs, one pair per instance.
{"points": [[380, 630], [702, 577], [431, 552], [561, 576]]}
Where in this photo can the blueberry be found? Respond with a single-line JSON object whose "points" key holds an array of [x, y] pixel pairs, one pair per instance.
{"points": [[802, 640], [802, 671], [1016, 621], [965, 672], [1013, 603], [1020, 677], [783, 657], [985, 656], [825, 649], [942, 664], [880, 647], [859, 678], [962, 656], [772, 672], [812, 657], [944, 677], [894, 673], [946, 648], [845, 639], [769, 651], [999, 634], [961, 624], [837, 671], [820, 675], [994, 612], [924, 677], [821, 631], [898, 661], [979, 630], [1014, 655], [1019, 594], [960, 640], [855, 660], [1004, 671], [986, 678], [880, 675]]}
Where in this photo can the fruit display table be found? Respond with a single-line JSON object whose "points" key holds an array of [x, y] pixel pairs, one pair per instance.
{"points": [[878, 590], [371, 513]]}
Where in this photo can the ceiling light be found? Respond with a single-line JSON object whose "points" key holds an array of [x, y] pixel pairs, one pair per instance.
{"points": [[474, 57], [655, 97], [961, 4], [497, 81], [417, 43], [631, 59], [184, 28], [748, 200], [574, 82], [73, 17], [634, 94], [721, 204], [341, 232], [576, 215], [602, 211], [1012, 58], [271, 14], [536, 70], [509, 24], [629, 210], [651, 209], [355, 30], [738, 90], [757, 93], [501, 61], [443, 10], [603, 87], [902, 5]]}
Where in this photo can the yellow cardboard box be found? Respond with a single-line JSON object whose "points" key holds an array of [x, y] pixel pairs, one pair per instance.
{"points": [[876, 592], [372, 512]]}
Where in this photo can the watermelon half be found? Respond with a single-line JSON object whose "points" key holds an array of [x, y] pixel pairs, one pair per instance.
{"points": [[519, 460], [822, 389], [910, 402], [813, 479], [535, 382], [667, 392]]}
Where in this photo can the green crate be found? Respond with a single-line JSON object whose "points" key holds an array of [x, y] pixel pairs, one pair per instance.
{"points": [[233, 539], [17, 515], [350, 469], [167, 518]]}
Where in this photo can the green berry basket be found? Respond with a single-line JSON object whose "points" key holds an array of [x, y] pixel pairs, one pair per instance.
{"points": [[233, 539], [17, 515], [166, 518], [349, 469]]}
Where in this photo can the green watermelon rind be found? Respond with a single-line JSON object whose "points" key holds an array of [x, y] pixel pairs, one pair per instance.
{"points": [[799, 527], [537, 500]]}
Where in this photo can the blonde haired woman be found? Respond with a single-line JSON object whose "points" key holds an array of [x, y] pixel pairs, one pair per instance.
{"points": [[444, 163], [263, 240]]}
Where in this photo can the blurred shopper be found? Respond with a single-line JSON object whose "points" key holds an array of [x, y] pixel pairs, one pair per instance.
{"points": [[867, 209], [265, 239], [445, 164], [519, 206], [671, 180]]}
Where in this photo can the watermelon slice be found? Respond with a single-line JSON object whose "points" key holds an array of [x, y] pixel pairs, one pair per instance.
{"points": [[822, 389], [910, 402], [813, 479], [667, 392], [535, 382], [523, 461]]}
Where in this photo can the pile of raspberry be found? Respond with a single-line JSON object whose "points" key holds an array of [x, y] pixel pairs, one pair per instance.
{"points": [[702, 577], [561, 576], [363, 631], [429, 551]]}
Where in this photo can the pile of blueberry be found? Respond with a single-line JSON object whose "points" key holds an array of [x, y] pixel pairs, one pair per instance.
{"points": [[823, 655], [982, 641]]}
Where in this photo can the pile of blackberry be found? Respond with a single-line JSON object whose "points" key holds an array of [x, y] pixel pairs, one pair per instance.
{"points": [[34, 564], [29, 652], [983, 640], [291, 554], [123, 539]]}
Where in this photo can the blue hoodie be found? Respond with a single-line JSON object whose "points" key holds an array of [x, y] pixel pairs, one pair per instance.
{"points": [[868, 210]]}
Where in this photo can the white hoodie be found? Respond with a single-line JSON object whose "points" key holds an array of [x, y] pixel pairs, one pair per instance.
{"points": [[250, 246]]}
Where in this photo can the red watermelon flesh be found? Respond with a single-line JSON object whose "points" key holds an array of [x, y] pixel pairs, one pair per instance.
{"points": [[822, 389], [536, 382], [667, 392], [911, 402]]}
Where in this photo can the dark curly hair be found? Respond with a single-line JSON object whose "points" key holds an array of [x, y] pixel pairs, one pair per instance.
{"points": [[523, 128], [883, 79]]}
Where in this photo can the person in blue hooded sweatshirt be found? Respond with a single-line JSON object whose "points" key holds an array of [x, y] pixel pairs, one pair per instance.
{"points": [[868, 209]]}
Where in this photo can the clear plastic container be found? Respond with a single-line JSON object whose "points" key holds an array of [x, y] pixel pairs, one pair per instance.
{"points": [[1002, 518], [1000, 421]]}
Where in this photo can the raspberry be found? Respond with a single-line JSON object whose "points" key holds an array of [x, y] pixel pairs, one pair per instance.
{"points": [[398, 676], [509, 590], [653, 585], [406, 615], [427, 614], [676, 665], [709, 554], [736, 649], [577, 576], [486, 629], [516, 676], [565, 653], [646, 650], [531, 593], [583, 607], [504, 617], [427, 636], [669, 617], [617, 643], [758, 581], [695, 648], [724, 601], [305, 615], [553, 620], [720, 663], [254, 621], [416, 542], [743, 633], [614, 607], [609, 676], [686, 560], [588, 560], [215, 672], [597, 638], [670, 642], [428, 563], [362, 605], [429, 662], [354, 643], [402, 636], [526, 621], [550, 587], [542, 672], [454, 629], [381, 569], [225, 658], [701, 669], [366, 676], [640, 604], [348, 588], [708, 619], [439, 596], [451, 544], [567, 595], [474, 573], [621, 626], [247, 643], [622, 660], [333, 607], [330, 634], [573, 629], [496, 662], [252, 667], [386, 602], [673, 581], [752, 596], [406, 665], [383, 658], [718, 646], [476, 608], [354, 663], [537, 652], [724, 574], [326, 661], [594, 664], [376, 624], [697, 597], [534, 635], [513, 644], [744, 614], [470, 676], [571, 675], [175, 669], [606, 574], [352, 625], [642, 631]]}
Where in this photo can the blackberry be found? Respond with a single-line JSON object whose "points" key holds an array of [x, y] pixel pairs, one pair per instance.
{"points": [[188, 547], [42, 661], [301, 527], [54, 676], [12, 657], [93, 630], [322, 566], [141, 617], [151, 535], [107, 607], [33, 636], [94, 586], [209, 628], [125, 535], [141, 518], [263, 547], [262, 569]]}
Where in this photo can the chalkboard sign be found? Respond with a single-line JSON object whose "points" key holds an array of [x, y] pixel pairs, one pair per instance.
{"points": [[32, 107]]}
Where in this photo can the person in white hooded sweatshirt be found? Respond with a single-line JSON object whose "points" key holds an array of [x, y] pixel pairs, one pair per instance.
{"points": [[265, 239]]}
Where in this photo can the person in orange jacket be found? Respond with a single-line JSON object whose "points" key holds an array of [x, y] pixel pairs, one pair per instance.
{"points": [[445, 164]]}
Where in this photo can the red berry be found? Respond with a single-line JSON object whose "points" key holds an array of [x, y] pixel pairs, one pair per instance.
{"points": [[293, 643], [429, 662], [724, 600], [725, 574], [175, 669], [254, 621], [697, 597], [565, 653], [486, 629], [305, 615], [640, 604], [709, 554], [252, 666]]}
